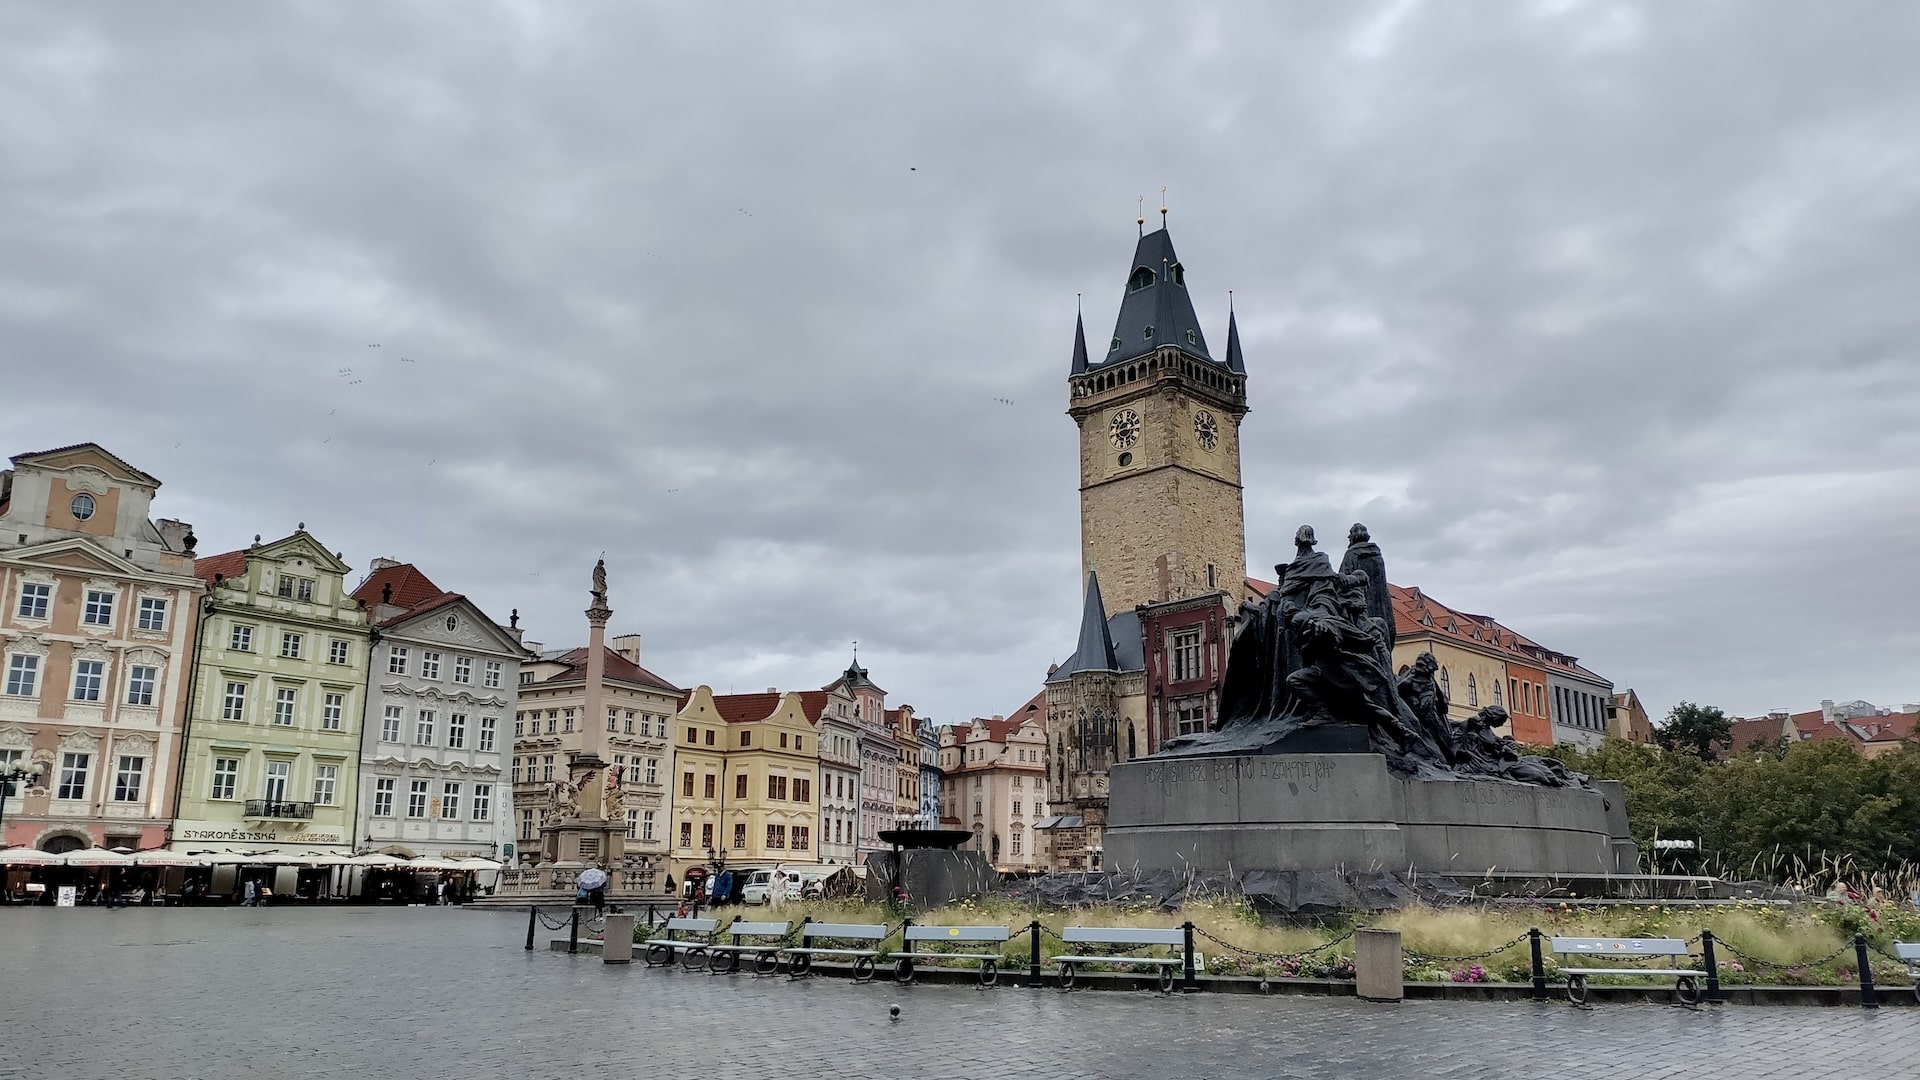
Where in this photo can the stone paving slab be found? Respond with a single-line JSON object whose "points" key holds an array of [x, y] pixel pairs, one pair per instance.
{"points": [[439, 992]]}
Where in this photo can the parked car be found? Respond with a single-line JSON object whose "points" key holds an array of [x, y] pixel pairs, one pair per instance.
{"points": [[758, 889]]}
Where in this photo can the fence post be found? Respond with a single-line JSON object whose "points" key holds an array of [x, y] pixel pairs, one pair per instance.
{"points": [[533, 913], [1868, 1000], [1033, 967], [1712, 966], [1187, 982], [1539, 966], [573, 933]]}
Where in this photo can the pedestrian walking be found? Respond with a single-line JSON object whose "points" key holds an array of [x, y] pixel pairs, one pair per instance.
{"points": [[249, 897], [441, 892]]}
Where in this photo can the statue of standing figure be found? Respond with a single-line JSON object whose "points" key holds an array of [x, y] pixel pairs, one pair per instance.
{"points": [[1363, 556], [600, 583], [615, 793]]}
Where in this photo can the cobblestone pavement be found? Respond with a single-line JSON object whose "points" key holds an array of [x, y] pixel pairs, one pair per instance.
{"points": [[440, 992]]}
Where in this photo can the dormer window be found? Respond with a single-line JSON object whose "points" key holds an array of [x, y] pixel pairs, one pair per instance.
{"points": [[1149, 333], [1191, 337], [1142, 277], [1114, 346], [1179, 274]]}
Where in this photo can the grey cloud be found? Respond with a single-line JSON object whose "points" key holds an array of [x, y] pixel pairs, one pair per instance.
{"points": [[1598, 313]]}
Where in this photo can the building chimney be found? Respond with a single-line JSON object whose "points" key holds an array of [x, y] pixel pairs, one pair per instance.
{"points": [[177, 535], [627, 647], [534, 647], [773, 689], [1777, 714], [1910, 707], [381, 564], [1826, 710]]}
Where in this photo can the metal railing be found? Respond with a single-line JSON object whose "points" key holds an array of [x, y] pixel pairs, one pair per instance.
{"points": [[275, 809]]}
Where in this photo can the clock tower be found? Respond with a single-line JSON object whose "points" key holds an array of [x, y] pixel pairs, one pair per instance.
{"points": [[1160, 505]]}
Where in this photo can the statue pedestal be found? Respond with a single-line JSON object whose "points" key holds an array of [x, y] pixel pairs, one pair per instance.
{"points": [[1290, 812]]}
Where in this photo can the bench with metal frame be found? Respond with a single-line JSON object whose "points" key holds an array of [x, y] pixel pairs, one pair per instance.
{"points": [[1179, 938], [1909, 954], [926, 937], [1685, 986], [800, 957], [660, 951], [725, 958]]}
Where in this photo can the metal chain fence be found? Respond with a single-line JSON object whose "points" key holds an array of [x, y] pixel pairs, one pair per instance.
{"points": [[1432, 958]]}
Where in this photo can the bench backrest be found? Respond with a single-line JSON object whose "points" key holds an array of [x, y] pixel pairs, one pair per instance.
{"points": [[742, 928], [844, 930], [958, 933], [1624, 948], [1124, 935], [693, 926], [1907, 950]]}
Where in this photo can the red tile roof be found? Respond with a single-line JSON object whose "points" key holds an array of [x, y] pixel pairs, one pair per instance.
{"points": [[230, 565], [745, 708], [1743, 735], [411, 588], [618, 668], [814, 704]]}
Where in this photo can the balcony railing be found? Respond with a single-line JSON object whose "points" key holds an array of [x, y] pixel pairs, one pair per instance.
{"points": [[279, 811]]}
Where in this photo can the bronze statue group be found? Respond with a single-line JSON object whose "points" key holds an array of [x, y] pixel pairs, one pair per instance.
{"points": [[1316, 655]]}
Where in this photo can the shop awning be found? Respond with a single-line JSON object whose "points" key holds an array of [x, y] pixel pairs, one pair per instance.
{"points": [[374, 859], [97, 857], [26, 856], [166, 858]]}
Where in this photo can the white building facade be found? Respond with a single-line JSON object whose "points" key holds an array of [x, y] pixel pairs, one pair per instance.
{"points": [[442, 690], [840, 773]]}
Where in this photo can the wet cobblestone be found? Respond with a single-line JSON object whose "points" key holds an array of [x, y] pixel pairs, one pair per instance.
{"points": [[438, 992]]}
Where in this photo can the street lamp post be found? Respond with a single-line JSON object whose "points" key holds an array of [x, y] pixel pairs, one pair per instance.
{"points": [[13, 774]]}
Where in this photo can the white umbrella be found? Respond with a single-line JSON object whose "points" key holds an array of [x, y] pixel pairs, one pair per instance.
{"points": [[319, 858], [98, 857], [433, 864], [26, 856], [478, 864], [592, 877], [166, 858], [375, 859]]}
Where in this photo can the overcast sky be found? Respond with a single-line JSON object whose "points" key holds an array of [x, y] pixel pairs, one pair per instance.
{"points": [[1603, 316]]}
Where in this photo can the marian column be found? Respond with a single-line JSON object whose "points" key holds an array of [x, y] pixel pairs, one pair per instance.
{"points": [[590, 833]]}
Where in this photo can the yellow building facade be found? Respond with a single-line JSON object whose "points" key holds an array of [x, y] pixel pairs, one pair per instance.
{"points": [[746, 769]]}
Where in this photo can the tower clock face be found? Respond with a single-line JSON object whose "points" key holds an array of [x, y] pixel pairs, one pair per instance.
{"points": [[1124, 430], [1206, 430]]}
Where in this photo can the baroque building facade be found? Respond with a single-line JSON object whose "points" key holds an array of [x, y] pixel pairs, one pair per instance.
{"points": [[435, 744], [549, 732], [273, 734], [994, 784], [96, 650], [838, 734]]}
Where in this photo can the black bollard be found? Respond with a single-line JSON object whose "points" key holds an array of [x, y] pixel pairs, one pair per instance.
{"points": [[1712, 966], [533, 914], [1867, 998], [573, 934], [1539, 966], [1187, 982], [1033, 972]]}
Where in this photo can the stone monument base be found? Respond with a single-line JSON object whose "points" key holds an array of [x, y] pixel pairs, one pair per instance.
{"points": [[1245, 813]]}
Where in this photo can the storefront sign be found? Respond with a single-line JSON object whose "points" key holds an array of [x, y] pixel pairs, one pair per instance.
{"points": [[220, 831]]}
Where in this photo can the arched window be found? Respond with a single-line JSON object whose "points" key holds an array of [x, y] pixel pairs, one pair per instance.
{"points": [[1132, 750], [1473, 691], [1142, 277], [1446, 685], [1496, 694]]}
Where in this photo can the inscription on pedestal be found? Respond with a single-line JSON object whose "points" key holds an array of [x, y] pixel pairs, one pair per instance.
{"points": [[1220, 774]]}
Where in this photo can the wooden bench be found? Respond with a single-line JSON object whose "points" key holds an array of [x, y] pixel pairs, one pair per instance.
{"points": [[926, 937], [766, 957], [660, 950], [1167, 966], [800, 957], [1685, 986], [1909, 953]]}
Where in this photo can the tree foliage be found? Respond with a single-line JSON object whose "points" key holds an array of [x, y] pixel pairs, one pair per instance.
{"points": [[1693, 729], [1773, 812]]}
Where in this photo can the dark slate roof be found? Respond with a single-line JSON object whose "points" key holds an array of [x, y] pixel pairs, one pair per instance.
{"points": [[1079, 345], [1235, 362], [1106, 644], [1162, 306]]}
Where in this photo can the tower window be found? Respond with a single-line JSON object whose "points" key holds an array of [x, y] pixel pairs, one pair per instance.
{"points": [[1179, 274], [1142, 277], [1115, 345], [1190, 337], [1149, 333]]}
